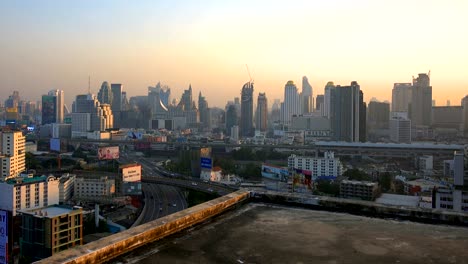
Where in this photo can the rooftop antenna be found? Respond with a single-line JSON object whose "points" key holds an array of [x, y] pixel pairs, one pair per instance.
{"points": [[248, 72]]}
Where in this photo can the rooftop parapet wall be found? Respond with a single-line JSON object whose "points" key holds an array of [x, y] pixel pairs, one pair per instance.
{"points": [[110, 247]]}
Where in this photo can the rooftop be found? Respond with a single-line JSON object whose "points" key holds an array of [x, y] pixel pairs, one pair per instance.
{"points": [[260, 233], [51, 211]]}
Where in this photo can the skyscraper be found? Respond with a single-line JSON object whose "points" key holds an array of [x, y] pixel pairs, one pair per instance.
{"points": [[307, 102], [246, 122], [379, 115], [464, 104], [346, 107], [204, 110], [231, 118], [116, 89], [421, 101], [291, 105], [275, 111], [53, 107], [90, 115], [262, 113], [401, 97], [186, 102], [327, 99], [105, 94], [319, 101]]}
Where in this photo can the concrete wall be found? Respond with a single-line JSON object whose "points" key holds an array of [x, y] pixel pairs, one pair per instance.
{"points": [[110, 247]]}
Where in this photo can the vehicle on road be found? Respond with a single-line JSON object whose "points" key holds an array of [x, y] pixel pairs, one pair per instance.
{"points": [[174, 204], [194, 184]]}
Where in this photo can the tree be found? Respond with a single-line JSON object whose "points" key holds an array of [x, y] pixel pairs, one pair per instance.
{"points": [[357, 175], [385, 181]]}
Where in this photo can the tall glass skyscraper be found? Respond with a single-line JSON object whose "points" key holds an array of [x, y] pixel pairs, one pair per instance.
{"points": [[246, 122]]}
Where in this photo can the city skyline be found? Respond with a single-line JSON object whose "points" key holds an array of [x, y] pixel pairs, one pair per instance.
{"points": [[51, 45]]}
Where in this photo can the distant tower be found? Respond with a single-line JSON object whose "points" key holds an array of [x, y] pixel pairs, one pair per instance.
{"points": [[291, 105], [204, 110], [262, 113], [246, 122], [401, 97], [421, 101], [105, 94], [327, 99], [53, 107], [307, 102], [231, 118]]}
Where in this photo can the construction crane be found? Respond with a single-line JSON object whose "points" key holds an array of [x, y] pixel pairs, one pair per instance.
{"points": [[248, 71]]}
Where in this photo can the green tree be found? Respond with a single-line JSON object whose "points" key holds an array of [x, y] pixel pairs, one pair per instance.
{"points": [[357, 175], [385, 181]]}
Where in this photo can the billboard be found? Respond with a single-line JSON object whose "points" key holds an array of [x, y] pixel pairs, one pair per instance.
{"points": [[206, 163], [3, 237], [55, 144], [108, 153], [131, 173], [275, 173], [135, 135]]}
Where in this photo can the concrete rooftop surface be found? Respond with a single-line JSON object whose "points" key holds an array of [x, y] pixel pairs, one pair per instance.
{"points": [[263, 233]]}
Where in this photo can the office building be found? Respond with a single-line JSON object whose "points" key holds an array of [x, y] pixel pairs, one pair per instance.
{"points": [[362, 190], [28, 192], [447, 117], [49, 109], [90, 115], [66, 187], [246, 120], [116, 107], [400, 129], [105, 95], [319, 103], [275, 111], [291, 105], [12, 153], [325, 167], [347, 108], [262, 113], [205, 113], [231, 118], [401, 97], [157, 100], [49, 230], [307, 97], [421, 101]]}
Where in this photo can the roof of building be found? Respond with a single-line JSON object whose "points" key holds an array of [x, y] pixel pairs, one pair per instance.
{"points": [[51, 211], [424, 183], [396, 199], [390, 145], [359, 182]]}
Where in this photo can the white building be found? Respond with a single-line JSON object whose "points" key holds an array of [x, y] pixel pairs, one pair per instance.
{"points": [[94, 187], [66, 187], [291, 105], [59, 104], [13, 153], [235, 133], [28, 192], [455, 198], [425, 163], [327, 166], [400, 130]]}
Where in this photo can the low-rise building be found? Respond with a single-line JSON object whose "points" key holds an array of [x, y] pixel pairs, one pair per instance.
{"points": [[92, 187], [321, 167], [363, 190], [49, 230], [66, 187]]}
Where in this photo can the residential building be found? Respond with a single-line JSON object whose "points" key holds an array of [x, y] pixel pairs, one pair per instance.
{"points": [[363, 190], [456, 197], [246, 120], [49, 230], [327, 166], [12, 153], [66, 187], [319, 103], [378, 116], [306, 97], [28, 192], [327, 104], [447, 117]]}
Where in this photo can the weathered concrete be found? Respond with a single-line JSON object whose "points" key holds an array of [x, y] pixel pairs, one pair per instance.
{"points": [[110, 247], [365, 208]]}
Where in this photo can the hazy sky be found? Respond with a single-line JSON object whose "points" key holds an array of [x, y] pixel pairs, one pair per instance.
{"points": [[57, 44]]}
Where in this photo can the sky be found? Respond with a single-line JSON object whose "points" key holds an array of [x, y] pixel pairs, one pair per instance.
{"points": [[48, 45]]}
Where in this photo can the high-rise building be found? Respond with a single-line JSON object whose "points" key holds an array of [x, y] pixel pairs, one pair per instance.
{"points": [[464, 104], [378, 115], [421, 101], [262, 113], [291, 105], [275, 111], [400, 129], [53, 107], [105, 95], [319, 102], [13, 100], [158, 107], [307, 99], [246, 121], [327, 99], [49, 230], [12, 153], [346, 113], [89, 115], [447, 117], [231, 118], [401, 97], [186, 102], [362, 118], [323, 167], [205, 114], [116, 89]]}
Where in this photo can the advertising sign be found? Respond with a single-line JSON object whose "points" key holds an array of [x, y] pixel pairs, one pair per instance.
{"points": [[131, 173], [135, 135], [108, 153], [55, 144], [3, 237], [206, 163], [275, 173]]}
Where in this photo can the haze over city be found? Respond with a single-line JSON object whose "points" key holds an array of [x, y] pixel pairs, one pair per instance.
{"points": [[57, 45]]}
